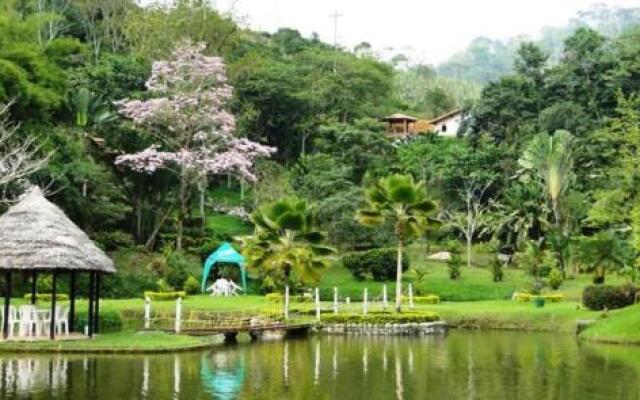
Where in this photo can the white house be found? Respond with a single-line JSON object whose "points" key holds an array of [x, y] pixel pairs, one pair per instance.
{"points": [[447, 124]]}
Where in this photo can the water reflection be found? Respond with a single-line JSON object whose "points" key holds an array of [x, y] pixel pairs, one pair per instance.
{"points": [[223, 373], [465, 365]]}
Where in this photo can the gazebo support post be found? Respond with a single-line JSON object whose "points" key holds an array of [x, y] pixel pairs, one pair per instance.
{"points": [[92, 277], [34, 286], [96, 314], [52, 326], [7, 301], [72, 301]]}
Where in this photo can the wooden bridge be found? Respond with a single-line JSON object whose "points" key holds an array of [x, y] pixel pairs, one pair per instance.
{"points": [[230, 324]]}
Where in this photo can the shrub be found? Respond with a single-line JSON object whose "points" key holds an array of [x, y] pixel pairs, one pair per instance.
{"points": [[528, 297], [191, 285], [454, 264], [497, 270], [163, 286], [381, 318], [555, 278], [164, 296], [114, 240], [46, 297], [275, 297], [429, 299], [108, 320], [126, 285], [380, 263], [178, 270], [599, 297]]}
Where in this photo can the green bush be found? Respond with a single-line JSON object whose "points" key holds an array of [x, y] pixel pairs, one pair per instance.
{"points": [[497, 270], [164, 296], [163, 287], [46, 297], [380, 263], [114, 240], [527, 297], [275, 297], [599, 297], [429, 299], [109, 320], [555, 278], [191, 285], [454, 264], [380, 318], [126, 285], [179, 267]]}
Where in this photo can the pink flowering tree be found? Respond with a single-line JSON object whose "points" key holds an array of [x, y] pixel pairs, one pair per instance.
{"points": [[191, 127]]}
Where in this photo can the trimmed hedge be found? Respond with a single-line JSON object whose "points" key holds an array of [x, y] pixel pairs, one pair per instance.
{"points": [[46, 297], [380, 263], [279, 298], [381, 318], [109, 321], [599, 297], [429, 299], [165, 296], [528, 297]]}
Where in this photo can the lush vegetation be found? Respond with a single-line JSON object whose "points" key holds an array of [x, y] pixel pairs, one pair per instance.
{"points": [[164, 131]]}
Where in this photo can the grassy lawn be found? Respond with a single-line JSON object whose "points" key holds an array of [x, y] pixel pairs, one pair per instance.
{"points": [[114, 342], [554, 317], [228, 226], [620, 326]]}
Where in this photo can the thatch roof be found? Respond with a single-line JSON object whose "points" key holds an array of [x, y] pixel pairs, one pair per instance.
{"points": [[36, 235]]}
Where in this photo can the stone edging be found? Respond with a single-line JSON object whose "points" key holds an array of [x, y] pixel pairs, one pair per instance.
{"points": [[408, 329]]}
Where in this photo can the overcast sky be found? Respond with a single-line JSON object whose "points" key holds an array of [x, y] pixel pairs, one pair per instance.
{"points": [[427, 30]]}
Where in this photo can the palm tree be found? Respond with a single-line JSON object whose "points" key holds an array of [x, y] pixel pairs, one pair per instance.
{"points": [[285, 241], [550, 159], [401, 200]]}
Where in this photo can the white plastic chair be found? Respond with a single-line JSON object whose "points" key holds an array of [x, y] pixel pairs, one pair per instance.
{"points": [[28, 321], [62, 320], [14, 321]]}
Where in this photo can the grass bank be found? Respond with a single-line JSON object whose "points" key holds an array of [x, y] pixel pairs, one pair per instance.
{"points": [[620, 326], [121, 342]]}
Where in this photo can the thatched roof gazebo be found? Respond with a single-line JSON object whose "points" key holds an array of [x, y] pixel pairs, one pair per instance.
{"points": [[37, 237]]}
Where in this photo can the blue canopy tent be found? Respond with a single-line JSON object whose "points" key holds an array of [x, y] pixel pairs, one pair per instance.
{"points": [[224, 254]]}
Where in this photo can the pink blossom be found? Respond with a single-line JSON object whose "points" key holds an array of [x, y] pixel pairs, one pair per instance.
{"points": [[188, 112]]}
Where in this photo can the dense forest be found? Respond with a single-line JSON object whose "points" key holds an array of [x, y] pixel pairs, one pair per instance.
{"points": [[486, 59], [546, 162]]}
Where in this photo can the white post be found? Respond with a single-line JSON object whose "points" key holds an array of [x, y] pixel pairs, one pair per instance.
{"points": [[364, 302], [147, 312], [347, 300], [335, 300], [286, 302], [410, 296], [318, 304], [385, 299], [178, 314]]}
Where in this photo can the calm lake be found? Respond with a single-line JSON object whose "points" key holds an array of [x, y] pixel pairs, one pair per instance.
{"points": [[463, 365]]}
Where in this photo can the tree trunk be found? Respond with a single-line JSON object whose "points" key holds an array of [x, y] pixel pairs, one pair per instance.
{"points": [[138, 219], [184, 208], [399, 278]]}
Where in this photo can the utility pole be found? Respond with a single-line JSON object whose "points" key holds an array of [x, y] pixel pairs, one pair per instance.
{"points": [[335, 17]]}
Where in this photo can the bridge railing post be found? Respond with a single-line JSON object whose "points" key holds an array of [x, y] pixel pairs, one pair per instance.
{"points": [[286, 302], [178, 314], [385, 299], [365, 306], [410, 296], [147, 312], [318, 304]]}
